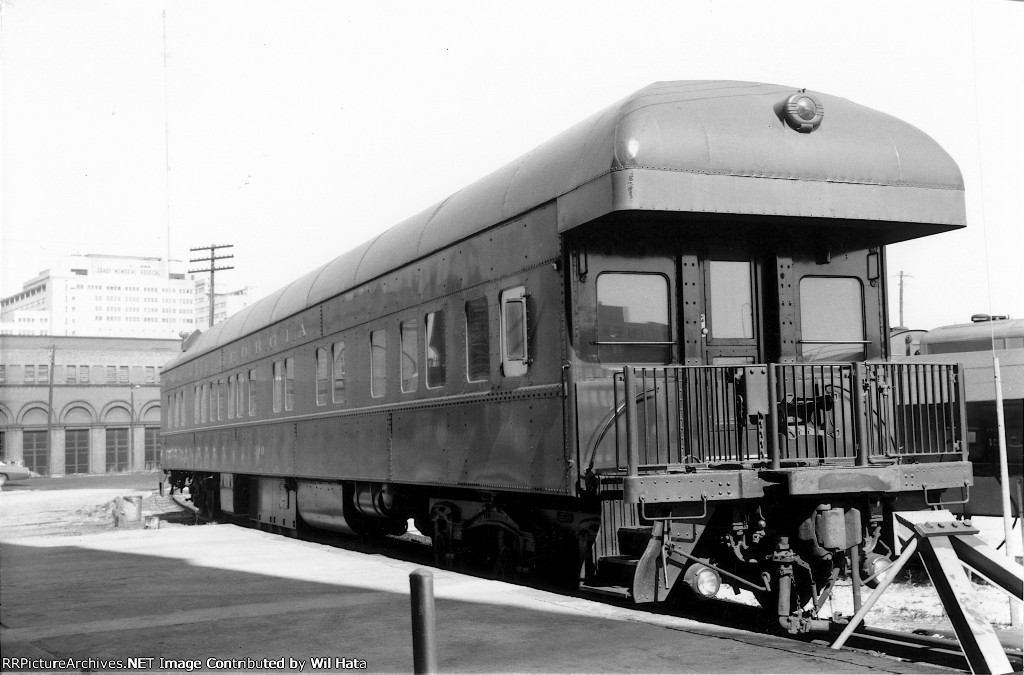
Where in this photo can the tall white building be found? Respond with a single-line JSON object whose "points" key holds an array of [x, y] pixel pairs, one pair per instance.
{"points": [[103, 295], [224, 304]]}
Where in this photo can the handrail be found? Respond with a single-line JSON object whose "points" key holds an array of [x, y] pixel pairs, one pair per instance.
{"points": [[818, 413], [632, 438], [773, 419]]}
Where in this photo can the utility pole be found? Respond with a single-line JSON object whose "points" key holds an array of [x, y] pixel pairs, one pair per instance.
{"points": [[213, 268], [49, 414], [902, 276]]}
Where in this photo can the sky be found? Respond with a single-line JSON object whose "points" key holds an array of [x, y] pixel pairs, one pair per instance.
{"points": [[297, 130]]}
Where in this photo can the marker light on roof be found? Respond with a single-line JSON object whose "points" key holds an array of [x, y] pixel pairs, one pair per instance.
{"points": [[803, 111]]}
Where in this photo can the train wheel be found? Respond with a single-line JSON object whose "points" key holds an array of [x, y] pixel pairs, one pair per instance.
{"points": [[500, 557], [506, 563], [442, 519], [441, 543]]}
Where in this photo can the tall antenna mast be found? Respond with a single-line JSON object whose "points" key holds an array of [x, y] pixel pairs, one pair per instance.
{"points": [[167, 147], [213, 268]]}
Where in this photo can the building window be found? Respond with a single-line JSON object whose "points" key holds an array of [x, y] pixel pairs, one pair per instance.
{"points": [[153, 447], [30, 374], [323, 383], [378, 364], [76, 451], [204, 406], [43, 374], [83, 374], [3, 374], [409, 366], [111, 374], [36, 451], [122, 374], [289, 383], [253, 379], [71, 374], [196, 404], [478, 346], [231, 398], [150, 373], [339, 372], [278, 384], [117, 450], [436, 357]]}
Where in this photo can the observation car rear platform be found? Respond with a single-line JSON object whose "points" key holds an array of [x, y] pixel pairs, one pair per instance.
{"points": [[652, 350]]}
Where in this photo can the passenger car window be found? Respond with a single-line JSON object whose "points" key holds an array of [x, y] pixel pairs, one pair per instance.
{"points": [[378, 364], [322, 382], [339, 372], [278, 384], [409, 365], [220, 399], [240, 405], [633, 318], [514, 347], [289, 383], [436, 361], [478, 345], [831, 319], [253, 379]]}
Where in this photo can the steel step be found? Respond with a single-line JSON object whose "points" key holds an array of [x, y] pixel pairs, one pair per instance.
{"points": [[619, 592]]}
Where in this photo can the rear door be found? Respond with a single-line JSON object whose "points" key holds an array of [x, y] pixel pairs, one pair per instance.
{"points": [[731, 320], [625, 312]]}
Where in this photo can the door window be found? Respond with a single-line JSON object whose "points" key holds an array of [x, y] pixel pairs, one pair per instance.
{"points": [[731, 304]]}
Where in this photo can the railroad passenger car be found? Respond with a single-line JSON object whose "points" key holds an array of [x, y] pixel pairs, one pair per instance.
{"points": [[974, 345], [647, 356]]}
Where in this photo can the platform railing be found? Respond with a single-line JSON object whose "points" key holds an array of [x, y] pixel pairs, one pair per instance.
{"points": [[803, 414]]}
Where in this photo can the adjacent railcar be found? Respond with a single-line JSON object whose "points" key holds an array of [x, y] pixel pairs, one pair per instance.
{"points": [[974, 345], [647, 356]]}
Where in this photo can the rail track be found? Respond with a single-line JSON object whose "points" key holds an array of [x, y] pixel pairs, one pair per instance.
{"points": [[908, 646]]}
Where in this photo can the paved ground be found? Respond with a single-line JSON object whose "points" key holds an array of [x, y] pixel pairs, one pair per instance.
{"points": [[147, 480], [223, 592], [182, 594]]}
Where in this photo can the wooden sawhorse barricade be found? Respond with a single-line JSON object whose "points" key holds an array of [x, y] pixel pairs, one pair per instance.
{"points": [[945, 546]]}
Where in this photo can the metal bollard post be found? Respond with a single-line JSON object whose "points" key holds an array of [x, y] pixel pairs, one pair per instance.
{"points": [[424, 642]]}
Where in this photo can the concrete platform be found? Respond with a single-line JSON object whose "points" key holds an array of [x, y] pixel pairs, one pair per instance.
{"points": [[189, 594]]}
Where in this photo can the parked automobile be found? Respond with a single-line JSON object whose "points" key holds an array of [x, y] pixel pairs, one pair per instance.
{"points": [[9, 472]]}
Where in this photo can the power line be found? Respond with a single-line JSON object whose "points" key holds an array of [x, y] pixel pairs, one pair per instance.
{"points": [[212, 268]]}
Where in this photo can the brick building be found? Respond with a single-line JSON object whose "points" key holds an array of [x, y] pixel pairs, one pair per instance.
{"points": [[81, 404]]}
